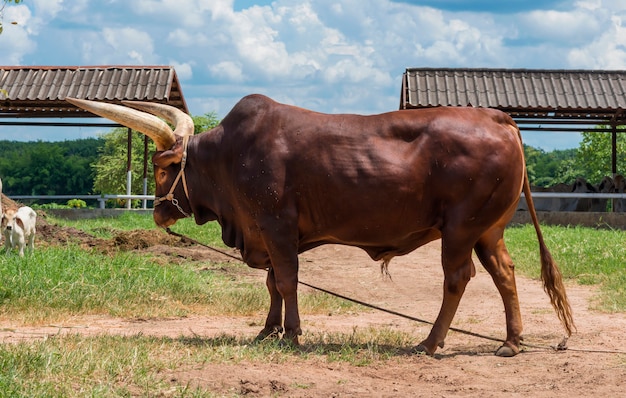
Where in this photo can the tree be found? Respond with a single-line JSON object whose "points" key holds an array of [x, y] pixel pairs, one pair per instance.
{"points": [[110, 167], [204, 123], [550, 168], [47, 168], [593, 157]]}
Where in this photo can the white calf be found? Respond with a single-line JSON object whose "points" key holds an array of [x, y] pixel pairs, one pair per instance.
{"points": [[18, 226]]}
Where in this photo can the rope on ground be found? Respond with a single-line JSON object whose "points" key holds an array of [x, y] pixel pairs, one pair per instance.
{"points": [[562, 346]]}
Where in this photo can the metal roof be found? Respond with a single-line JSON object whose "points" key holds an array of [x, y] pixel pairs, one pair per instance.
{"points": [[595, 96], [40, 91]]}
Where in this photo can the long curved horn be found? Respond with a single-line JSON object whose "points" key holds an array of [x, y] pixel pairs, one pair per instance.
{"points": [[183, 122], [150, 125]]}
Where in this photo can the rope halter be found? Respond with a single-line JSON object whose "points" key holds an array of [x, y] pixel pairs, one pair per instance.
{"points": [[180, 176]]}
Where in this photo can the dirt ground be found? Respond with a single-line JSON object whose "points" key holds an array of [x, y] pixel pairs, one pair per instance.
{"points": [[594, 363]]}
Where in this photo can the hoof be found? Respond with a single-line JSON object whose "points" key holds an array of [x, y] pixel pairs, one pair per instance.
{"points": [[272, 333], [291, 337], [507, 350], [422, 350]]}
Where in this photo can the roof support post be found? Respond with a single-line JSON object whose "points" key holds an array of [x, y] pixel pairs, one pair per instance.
{"points": [[614, 148], [145, 170], [129, 176]]}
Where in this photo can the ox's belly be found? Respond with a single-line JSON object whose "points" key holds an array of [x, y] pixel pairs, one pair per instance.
{"points": [[377, 242]]}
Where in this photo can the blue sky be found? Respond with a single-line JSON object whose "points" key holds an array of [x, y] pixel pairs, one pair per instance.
{"points": [[326, 55]]}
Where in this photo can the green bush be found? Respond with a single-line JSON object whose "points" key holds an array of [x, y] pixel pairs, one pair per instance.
{"points": [[46, 206], [76, 204]]}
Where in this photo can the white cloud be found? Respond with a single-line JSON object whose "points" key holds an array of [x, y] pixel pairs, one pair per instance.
{"points": [[332, 56], [184, 70], [45, 11], [117, 46], [573, 26], [50, 8], [128, 45], [184, 38], [189, 13], [606, 52], [227, 70], [16, 40]]}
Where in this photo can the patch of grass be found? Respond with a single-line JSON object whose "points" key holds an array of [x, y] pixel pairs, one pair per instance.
{"points": [[361, 347], [237, 298], [586, 255], [322, 303], [77, 366], [59, 281]]}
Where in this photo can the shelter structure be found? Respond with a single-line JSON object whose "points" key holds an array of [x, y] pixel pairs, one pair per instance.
{"points": [[31, 96], [40, 91], [538, 100]]}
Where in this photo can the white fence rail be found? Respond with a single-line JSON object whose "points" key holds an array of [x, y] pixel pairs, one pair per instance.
{"points": [[100, 198], [145, 198], [578, 195]]}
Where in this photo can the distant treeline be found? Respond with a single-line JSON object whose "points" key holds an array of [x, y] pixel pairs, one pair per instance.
{"points": [[65, 167], [551, 168], [48, 168]]}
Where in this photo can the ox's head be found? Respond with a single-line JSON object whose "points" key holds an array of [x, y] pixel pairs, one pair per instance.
{"points": [[171, 201], [619, 184]]}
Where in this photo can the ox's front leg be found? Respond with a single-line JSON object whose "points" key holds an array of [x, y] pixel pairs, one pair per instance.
{"points": [[458, 270], [273, 323], [287, 285]]}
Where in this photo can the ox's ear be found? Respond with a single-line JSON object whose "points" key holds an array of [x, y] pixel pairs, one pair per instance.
{"points": [[19, 222], [171, 156]]}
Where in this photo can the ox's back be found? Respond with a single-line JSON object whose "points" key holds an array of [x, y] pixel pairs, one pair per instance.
{"points": [[385, 182]]}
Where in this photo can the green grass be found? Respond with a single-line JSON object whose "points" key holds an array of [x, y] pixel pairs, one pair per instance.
{"points": [[119, 366], [61, 281], [585, 255]]}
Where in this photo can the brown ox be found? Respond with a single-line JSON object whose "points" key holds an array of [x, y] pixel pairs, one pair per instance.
{"points": [[281, 180]]}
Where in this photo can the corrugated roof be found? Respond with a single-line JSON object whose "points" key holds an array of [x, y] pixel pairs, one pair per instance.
{"points": [[40, 91], [520, 92]]}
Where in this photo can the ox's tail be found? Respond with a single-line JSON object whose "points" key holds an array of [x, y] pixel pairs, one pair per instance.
{"points": [[550, 273]]}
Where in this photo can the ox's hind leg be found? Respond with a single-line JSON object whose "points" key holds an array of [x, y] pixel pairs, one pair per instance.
{"points": [[273, 322], [494, 256], [31, 242], [458, 269]]}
